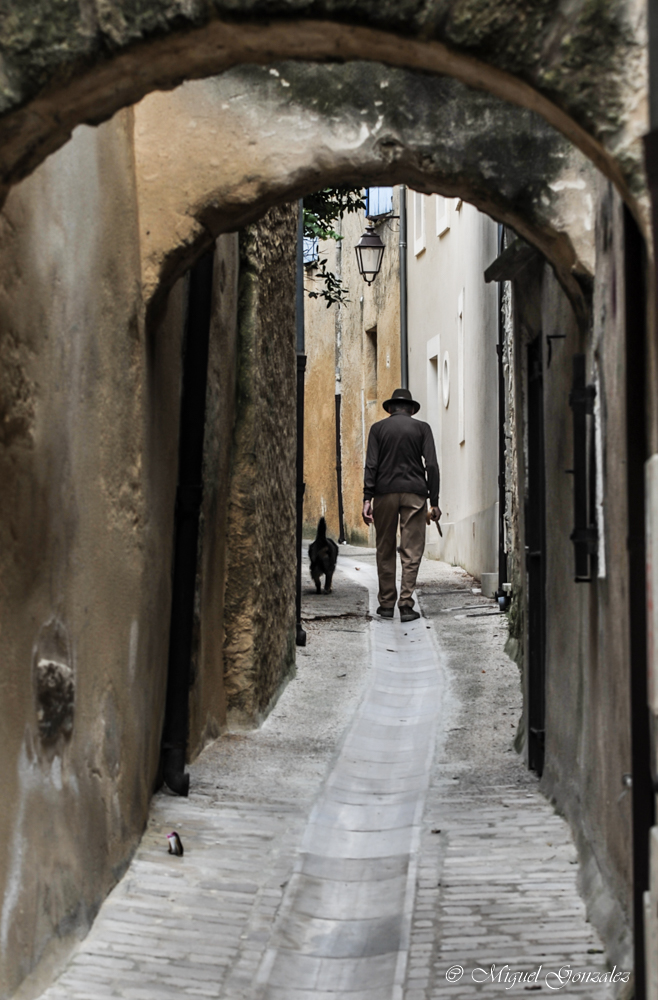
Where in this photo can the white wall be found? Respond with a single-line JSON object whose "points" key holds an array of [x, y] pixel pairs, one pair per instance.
{"points": [[452, 317]]}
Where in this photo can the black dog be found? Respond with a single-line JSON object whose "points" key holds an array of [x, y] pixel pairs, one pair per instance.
{"points": [[323, 553]]}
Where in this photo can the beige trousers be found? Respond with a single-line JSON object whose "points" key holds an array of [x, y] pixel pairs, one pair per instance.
{"points": [[409, 510]]}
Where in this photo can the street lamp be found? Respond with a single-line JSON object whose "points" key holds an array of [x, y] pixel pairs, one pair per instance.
{"points": [[369, 253]]}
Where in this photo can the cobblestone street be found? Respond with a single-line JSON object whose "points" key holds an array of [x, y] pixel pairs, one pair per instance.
{"points": [[376, 836]]}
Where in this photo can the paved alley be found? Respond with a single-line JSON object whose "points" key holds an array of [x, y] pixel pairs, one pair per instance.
{"points": [[377, 838]]}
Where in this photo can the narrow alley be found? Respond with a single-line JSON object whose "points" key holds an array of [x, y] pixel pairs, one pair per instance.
{"points": [[284, 281], [378, 836]]}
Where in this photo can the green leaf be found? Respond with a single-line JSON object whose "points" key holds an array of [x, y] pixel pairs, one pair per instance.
{"points": [[321, 210]]}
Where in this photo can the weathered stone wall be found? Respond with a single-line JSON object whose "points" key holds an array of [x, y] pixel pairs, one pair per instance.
{"points": [[514, 476], [588, 708], [582, 66], [259, 610], [356, 123], [207, 697], [587, 643]]}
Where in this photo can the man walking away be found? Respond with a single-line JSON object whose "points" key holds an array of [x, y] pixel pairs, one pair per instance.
{"points": [[396, 485]]}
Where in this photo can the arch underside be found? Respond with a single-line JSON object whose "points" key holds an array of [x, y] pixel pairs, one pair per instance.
{"points": [[581, 66], [213, 155]]}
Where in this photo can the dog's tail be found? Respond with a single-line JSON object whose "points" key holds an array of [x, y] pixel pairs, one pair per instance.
{"points": [[322, 530]]}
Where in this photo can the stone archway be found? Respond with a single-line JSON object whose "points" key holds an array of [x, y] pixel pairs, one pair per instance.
{"points": [[583, 69], [359, 122]]}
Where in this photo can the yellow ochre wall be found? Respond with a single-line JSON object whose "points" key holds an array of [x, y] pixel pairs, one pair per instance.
{"points": [[341, 359]]}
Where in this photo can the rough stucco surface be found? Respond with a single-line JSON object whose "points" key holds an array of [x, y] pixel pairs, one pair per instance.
{"points": [[87, 463], [260, 588], [352, 123]]}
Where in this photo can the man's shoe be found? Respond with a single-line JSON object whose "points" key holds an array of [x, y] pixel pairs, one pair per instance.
{"points": [[385, 612], [408, 614]]}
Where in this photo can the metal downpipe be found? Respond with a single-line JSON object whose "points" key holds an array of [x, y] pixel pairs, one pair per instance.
{"points": [[339, 473]]}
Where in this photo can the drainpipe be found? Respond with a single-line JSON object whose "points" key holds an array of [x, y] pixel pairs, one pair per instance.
{"points": [[300, 638], [404, 358], [186, 532], [502, 555], [339, 475]]}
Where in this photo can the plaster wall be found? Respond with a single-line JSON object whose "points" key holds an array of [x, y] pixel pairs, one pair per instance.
{"points": [[323, 331], [88, 463], [453, 332], [89, 412], [364, 368]]}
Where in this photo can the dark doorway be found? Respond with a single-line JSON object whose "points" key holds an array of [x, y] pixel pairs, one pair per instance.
{"points": [[186, 523], [535, 520]]}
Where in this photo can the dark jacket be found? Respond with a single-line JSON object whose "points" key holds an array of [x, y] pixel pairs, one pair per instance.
{"points": [[397, 446]]}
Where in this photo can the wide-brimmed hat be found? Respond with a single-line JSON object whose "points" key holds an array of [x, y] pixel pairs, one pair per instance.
{"points": [[401, 396]]}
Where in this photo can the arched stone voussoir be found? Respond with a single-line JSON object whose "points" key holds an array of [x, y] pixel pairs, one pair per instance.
{"points": [[215, 154], [582, 65]]}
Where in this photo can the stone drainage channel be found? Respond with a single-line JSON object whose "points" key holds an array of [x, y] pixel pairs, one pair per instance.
{"points": [[375, 835], [344, 926]]}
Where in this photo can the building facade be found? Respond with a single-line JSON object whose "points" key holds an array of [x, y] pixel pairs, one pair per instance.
{"points": [[353, 365], [452, 330], [453, 372]]}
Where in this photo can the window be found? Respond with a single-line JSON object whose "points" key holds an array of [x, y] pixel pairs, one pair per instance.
{"points": [[460, 366], [310, 249], [419, 222], [379, 201], [442, 214]]}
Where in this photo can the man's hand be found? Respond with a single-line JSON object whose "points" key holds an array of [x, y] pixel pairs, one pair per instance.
{"points": [[366, 513], [435, 513]]}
